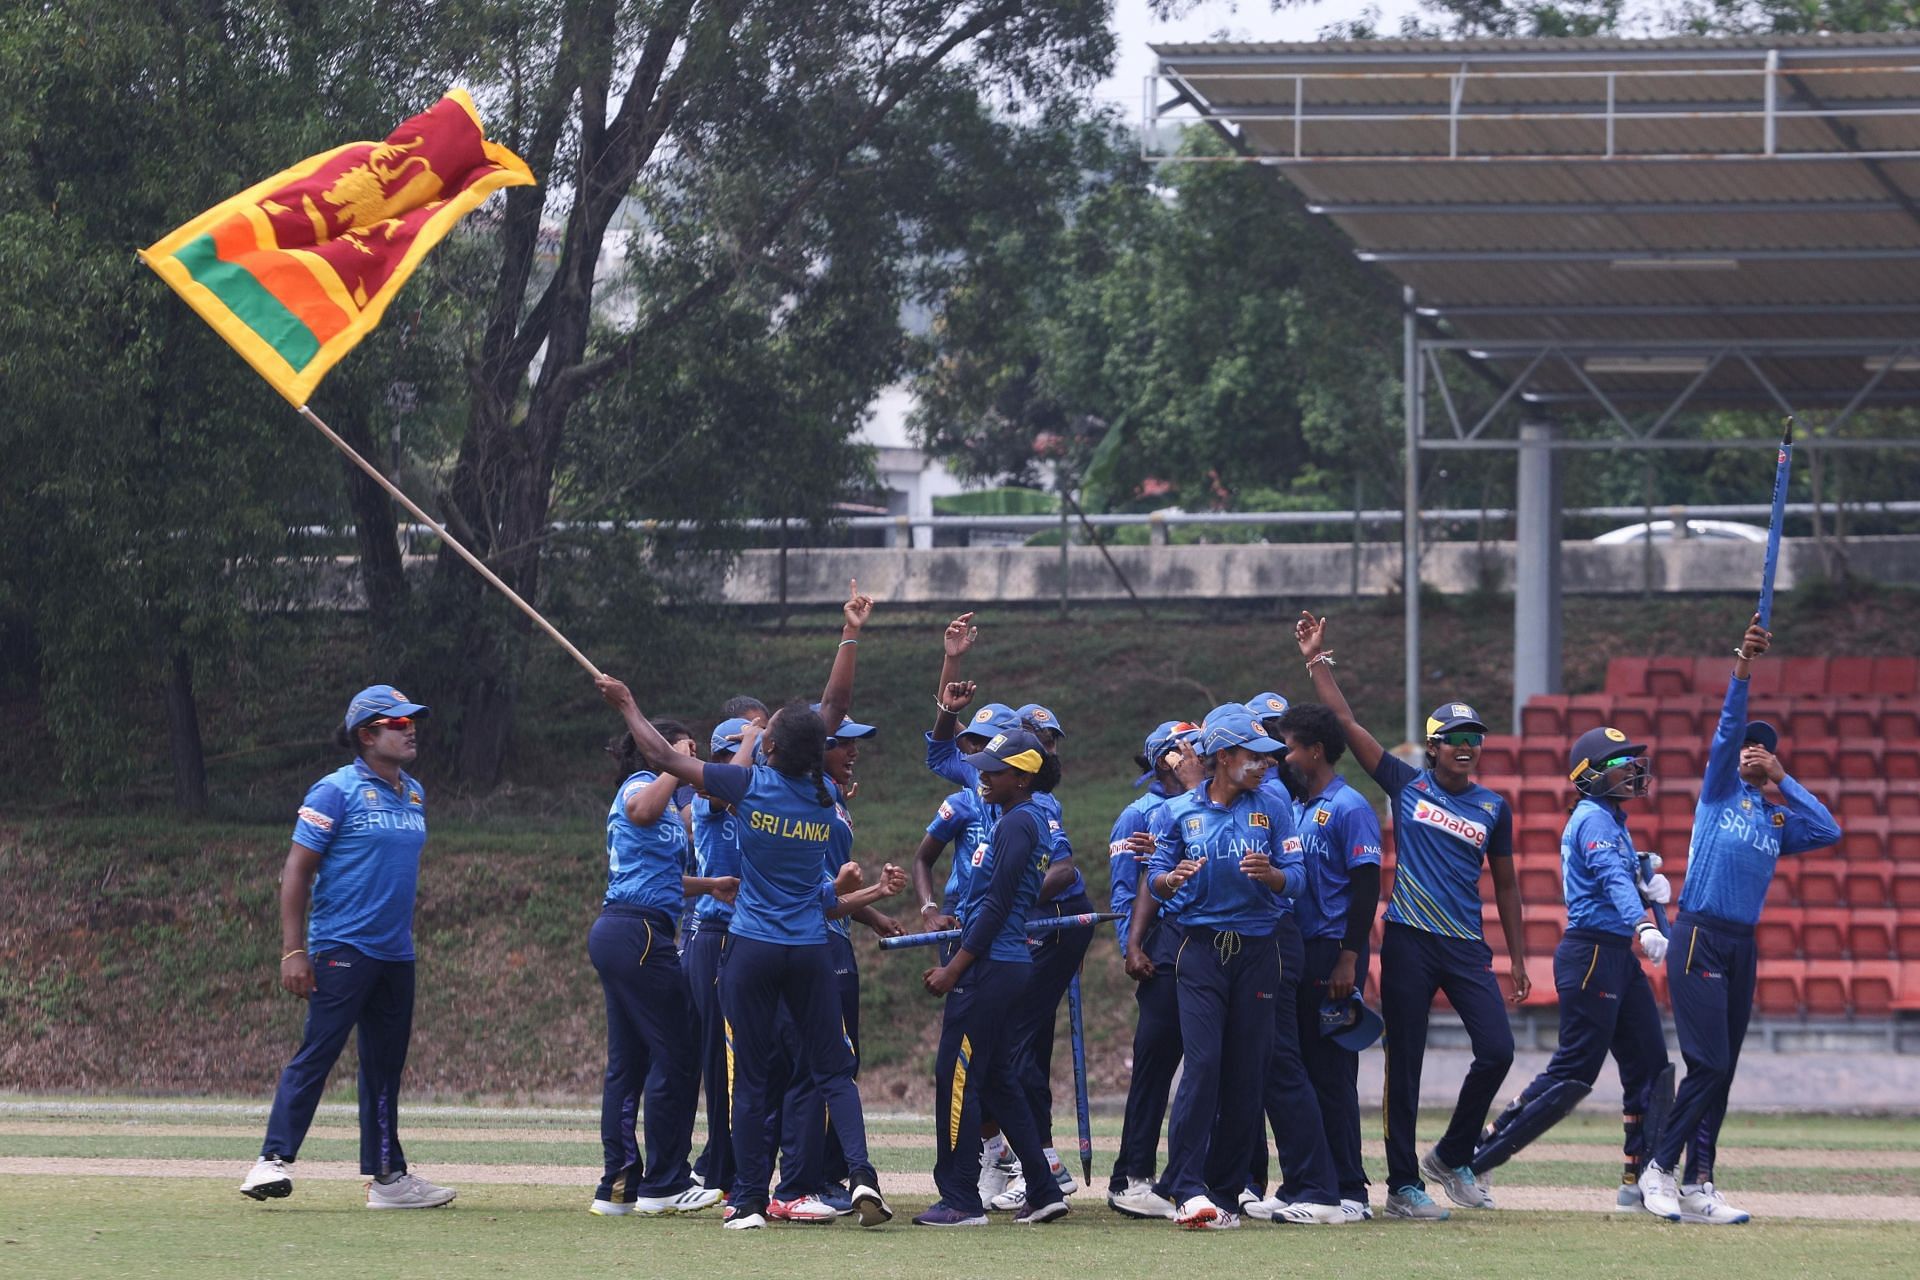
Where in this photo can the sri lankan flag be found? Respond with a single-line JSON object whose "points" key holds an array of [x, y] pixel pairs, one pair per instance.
{"points": [[297, 269]]}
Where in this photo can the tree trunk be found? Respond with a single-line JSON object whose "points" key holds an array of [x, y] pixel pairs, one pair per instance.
{"points": [[377, 532], [183, 737]]}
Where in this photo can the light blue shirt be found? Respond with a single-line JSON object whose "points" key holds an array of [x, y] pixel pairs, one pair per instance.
{"points": [[368, 834]]}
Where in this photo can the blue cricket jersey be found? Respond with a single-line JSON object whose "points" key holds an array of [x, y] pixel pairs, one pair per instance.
{"points": [[1002, 890], [1123, 872], [1600, 870], [369, 835], [1440, 839], [1738, 835], [1220, 896], [716, 853], [945, 759], [645, 863], [959, 822], [786, 837], [1340, 832], [839, 851]]}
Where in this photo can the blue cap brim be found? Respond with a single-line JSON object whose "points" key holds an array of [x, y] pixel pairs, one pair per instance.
{"points": [[1265, 745], [398, 709], [1143, 779], [854, 729]]}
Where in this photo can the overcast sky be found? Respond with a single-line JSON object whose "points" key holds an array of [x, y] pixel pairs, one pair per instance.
{"points": [[1135, 28]]}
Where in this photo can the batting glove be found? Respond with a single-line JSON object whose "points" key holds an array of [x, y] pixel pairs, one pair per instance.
{"points": [[1653, 944]]}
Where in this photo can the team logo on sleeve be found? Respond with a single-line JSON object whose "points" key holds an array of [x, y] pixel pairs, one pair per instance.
{"points": [[370, 795], [1491, 806], [1779, 818], [1193, 827], [1322, 817], [980, 853], [315, 819], [1259, 820], [1454, 824], [1292, 844], [413, 797], [946, 811]]}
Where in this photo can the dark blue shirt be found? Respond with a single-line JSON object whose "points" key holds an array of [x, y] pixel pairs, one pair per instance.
{"points": [[1340, 832], [944, 758], [1123, 871], [1002, 890], [368, 834], [1440, 838]]}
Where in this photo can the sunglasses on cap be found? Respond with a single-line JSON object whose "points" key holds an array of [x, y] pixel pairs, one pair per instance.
{"points": [[1460, 738], [401, 723]]}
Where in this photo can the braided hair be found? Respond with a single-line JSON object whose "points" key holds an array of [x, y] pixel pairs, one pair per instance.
{"points": [[799, 738]]}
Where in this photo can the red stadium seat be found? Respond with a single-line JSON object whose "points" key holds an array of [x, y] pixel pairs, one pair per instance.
{"points": [[1676, 721], [1858, 798], [1823, 934], [1710, 675], [1778, 991], [1873, 988], [1543, 760], [1627, 675], [1544, 796], [1856, 720], [1803, 677], [1893, 677], [1866, 885], [1808, 718], [1852, 676], [1777, 936], [1906, 887], [1901, 763], [1903, 836], [1635, 721], [1543, 934], [1863, 839], [1903, 802], [1677, 757], [1824, 988], [1814, 759], [1906, 936], [1908, 998], [1854, 759], [1669, 676], [1500, 754], [1901, 722], [1539, 886], [1544, 716], [1817, 884], [1780, 893], [1870, 934]]}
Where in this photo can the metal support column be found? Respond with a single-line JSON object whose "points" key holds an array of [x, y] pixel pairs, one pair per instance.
{"points": [[1536, 564], [1412, 373]]}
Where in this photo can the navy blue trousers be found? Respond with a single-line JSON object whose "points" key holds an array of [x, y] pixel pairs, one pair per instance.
{"points": [[350, 991], [846, 976], [1228, 983], [1156, 1058], [1293, 1107], [1711, 970], [1606, 1006], [702, 965], [1414, 965], [649, 1052], [1335, 1072], [755, 979], [978, 1063], [1055, 961]]}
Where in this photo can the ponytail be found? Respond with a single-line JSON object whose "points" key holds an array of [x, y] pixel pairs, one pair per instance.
{"points": [[820, 791]]}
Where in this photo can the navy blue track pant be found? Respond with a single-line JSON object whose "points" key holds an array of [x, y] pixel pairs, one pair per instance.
{"points": [[1293, 1107], [1414, 965], [649, 1052], [350, 990], [702, 965], [1606, 1006], [1335, 1072], [1055, 961], [978, 1063], [1156, 1058], [1227, 983], [1711, 970], [846, 975], [755, 978]]}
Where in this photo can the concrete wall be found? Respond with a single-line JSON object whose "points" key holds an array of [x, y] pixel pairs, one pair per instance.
{"points": [[1296, 570]]}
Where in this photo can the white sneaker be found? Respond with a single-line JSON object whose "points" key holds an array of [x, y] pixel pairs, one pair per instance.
{"points": [[801, 1209], [1704, 1203], [408, 1191], [871, 1208], [267, 1180], [996, 1176], [1013, 1199], [1658, 1195], [1356, 1211], [1197, 1213], [1414, 1202], [1063, 1178], [610, 1208], [1260, 1210], [1245, 1201], [692, 1200], [1302, 1214], [735, 1221], [1459, 1184], [1627, 1198], [1139, 1200]]}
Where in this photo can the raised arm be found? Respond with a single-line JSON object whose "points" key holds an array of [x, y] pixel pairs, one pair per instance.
{"points": [[1722, 777], [837, 698], [1310, 633], [658, 752], [952, 694]]}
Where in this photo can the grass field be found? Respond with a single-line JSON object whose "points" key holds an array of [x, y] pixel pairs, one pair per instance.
{"points": [[132, 1188]]}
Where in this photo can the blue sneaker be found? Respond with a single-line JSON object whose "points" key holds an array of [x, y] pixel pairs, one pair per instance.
{"points": [[941, 1215], [1411, 1201], [837, 1199]]}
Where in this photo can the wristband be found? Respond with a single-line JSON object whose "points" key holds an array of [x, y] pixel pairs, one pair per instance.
{"points": [[845, 643], [1740, 652], [297, 951], [952, 711]]}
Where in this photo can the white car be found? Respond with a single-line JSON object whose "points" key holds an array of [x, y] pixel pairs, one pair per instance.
{"points": [[1664, 531]]}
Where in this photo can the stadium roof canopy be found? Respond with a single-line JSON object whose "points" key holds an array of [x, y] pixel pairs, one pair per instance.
{"points": [[1627, 228]]}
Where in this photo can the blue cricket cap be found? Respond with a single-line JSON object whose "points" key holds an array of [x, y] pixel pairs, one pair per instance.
{"points": [[1350, 1024], [1449, 716], [1041, 716], [1165, 736], [849, 729], [726, 736], [995, 717], [1014, 749], [377, 700], [1231, 725], [1265, 706], [1763, 733]]}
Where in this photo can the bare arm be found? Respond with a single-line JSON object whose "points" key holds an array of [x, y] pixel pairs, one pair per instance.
{"points": [[952, 693], [837, 697], [892, 880], [658, 752], [647, 804], [1506, 895], [1310, 632], [296, 892], [1055, 882]]}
